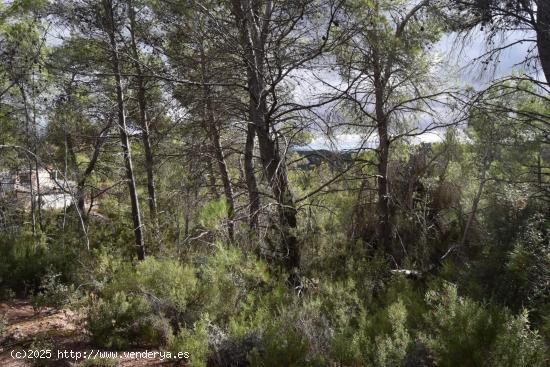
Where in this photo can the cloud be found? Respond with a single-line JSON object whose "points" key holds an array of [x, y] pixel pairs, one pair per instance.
{"points": [[356, 141]]}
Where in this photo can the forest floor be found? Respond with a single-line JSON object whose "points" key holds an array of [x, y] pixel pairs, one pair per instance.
{"points": [[55, 330]]}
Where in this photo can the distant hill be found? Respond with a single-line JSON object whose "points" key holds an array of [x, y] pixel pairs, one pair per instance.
{"points": [[315, 157]]}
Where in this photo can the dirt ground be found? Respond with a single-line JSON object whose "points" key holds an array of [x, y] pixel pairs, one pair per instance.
{"points": [[63, 330]]}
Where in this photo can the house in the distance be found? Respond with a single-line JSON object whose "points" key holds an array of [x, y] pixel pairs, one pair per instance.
{"points": [[43, 184]]}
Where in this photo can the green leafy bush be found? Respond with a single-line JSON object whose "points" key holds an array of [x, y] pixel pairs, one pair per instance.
{"points": [[278, 329], [390, 348], [283, 344], [193, 341], [517, 345], [123, 320], [346, 348], [140, 303], [213, 213], [467, 333], [54, 293], [227, 279], [26, 260]]}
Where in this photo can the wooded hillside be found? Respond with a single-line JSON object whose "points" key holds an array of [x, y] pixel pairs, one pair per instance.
{"points": [[280, 182]]}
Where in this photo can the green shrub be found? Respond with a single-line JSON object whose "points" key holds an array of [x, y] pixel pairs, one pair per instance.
{"points": [[166, 284], [275, 329], [346, 348], [283, 344], [26, 260], [468, 333], [6, 294], [123, 320], [193, 341], [463, 330], [528, 265], [517, 345], [213, 213], [140, 303], [54, 294], [390, 349], [226, 281]]}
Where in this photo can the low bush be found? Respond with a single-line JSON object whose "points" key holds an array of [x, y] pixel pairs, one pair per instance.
{"points": [[123, 320], [282, 344], [141, 304], [40, 343], [53, 293], [27, 259], [517, 345], [193, 341], [463, 332]]}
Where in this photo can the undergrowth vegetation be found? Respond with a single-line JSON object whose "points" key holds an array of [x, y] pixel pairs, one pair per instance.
{"points": [[277, 183], [228, 308]]}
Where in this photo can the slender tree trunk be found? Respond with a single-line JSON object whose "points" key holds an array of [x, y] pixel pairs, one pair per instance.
{"points": [[384, 225], [83, 177], [543, 36], [539, 170], [145, 128], [39, 192], [126, 148], [81, 183], [253, 25], [214, 134], [251, 183], [477, 198], [213, 185], [28, 142], [276, 175], [240, 9], [226, 181]]}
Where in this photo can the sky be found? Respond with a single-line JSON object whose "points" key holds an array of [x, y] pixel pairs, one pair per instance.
{"points": [[457, 60]]}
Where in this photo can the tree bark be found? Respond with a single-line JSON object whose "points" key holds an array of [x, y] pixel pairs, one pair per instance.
{"points": [[275, 171], [384, 225], [477, 198], [251, 183], [214, 134], [32, 193], [543, 36], [126, 148], [145, 128], [83, 178], [253, 26]]}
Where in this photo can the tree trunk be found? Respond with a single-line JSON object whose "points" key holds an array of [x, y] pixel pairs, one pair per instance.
{"points": [[543, 36], [29, 159], [275, 171], [82, 178], [384, 225], [81, 183], [477, 198], [214, 134], [253, 28], [36, 168], [126, 148], [226, 180], [252, 185], [145, 130]]}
